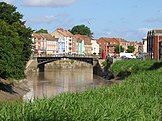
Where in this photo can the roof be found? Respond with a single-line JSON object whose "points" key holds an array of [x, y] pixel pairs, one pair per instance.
{"points": [[140, 44], [64, 32], [85, 38], [37, 36], [48, 37], [114, 40], [157, 31], [121, 40], [111, 40]]}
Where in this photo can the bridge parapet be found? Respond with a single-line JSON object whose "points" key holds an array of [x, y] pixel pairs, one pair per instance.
{"points": [[44, 60]]}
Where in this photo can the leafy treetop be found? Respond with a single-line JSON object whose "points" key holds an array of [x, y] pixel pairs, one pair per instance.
{"points": [[81, 29], [42, 31], [130, 49], [118, 49]]}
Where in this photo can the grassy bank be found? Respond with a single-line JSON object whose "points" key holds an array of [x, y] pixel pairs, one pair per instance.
{"points": [[137, 98], [124, 68]]}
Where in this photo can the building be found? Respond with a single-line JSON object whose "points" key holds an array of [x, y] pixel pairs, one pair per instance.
{"points": [[138, 47], [61, 46], [40, 44], [51, 43], [107, 45], [144, 44], [95, 46], [65, 39], [123, 43], [103, 42], [86, 42], [154, 44], [77, 46]]}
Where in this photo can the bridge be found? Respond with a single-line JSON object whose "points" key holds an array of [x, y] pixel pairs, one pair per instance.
{"points": [[43, 60]]}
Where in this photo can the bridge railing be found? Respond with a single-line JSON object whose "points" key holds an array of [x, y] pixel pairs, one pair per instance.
{"points": [[66, 55]]}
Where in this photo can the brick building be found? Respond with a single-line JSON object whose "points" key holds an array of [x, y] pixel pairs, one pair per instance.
{"points": [[154, 44], [108, 44]]}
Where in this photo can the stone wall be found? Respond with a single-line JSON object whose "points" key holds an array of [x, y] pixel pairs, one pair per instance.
{"points": [[31, 67], [67, 64]]}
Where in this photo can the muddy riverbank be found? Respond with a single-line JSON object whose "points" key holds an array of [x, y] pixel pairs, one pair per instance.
{"points": [[11, 92]]}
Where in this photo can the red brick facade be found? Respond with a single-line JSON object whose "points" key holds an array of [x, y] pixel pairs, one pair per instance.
{"points": [[154, 47]]}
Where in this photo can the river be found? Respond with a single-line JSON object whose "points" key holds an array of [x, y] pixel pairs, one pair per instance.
{"points": [[56, 81]]}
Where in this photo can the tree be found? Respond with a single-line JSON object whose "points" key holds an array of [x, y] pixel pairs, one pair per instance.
{"points": [[42, 31], [81, 29], [131, 49], [15, 43], [118, 50]]}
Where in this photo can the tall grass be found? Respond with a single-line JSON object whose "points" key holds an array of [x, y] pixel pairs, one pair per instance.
{"points": [[127, 67], [138, 98]]}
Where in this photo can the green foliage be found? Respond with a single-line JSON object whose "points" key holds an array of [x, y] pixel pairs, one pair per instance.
{"points": [[130, 49], [81, 29], [72, 61], [104, 63], [136, 99], [124, 68], [118, 50], [42, 31], [15, 43]]}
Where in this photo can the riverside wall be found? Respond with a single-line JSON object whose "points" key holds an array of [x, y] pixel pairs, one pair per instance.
{"points": [[98, 68]]}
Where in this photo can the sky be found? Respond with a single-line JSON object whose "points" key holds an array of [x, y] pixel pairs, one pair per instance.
{"points": [[127, 19]]}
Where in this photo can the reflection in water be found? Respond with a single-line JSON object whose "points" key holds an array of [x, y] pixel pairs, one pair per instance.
{"points": [[51, 83]]}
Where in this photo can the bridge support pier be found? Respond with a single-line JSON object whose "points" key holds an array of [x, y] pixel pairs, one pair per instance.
{"points": [[97, 70], [41, 67]]}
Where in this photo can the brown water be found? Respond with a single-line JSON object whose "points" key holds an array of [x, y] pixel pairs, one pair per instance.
{"points": [[54, 82]]}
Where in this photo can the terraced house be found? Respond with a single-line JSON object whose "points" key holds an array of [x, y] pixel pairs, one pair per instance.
{"points": [[84, 44], [51, 43], [65, 39], [39, 44]]}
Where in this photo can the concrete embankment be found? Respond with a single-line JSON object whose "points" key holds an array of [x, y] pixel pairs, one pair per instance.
{"points": [[31, 66]]}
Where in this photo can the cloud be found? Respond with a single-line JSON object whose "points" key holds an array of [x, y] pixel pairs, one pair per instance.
{"points": [[48, 3], [143, 30], [59, 18], [42, 19], [159, 20], [127, 34]]}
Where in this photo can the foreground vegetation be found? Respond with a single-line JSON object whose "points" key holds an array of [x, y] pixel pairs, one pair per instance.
{"points": [[15, 43], [137, 98]]}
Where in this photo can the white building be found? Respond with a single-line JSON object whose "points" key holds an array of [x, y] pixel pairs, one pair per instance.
{"points": [[95, 46], [145, 44], [66, 37]]}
